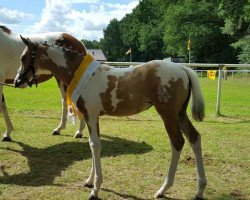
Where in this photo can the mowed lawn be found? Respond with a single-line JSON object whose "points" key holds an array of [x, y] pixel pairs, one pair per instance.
{"points": [[135, 153]]}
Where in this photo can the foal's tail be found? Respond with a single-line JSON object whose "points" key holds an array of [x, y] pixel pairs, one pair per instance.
{"points": [[198, 105]]}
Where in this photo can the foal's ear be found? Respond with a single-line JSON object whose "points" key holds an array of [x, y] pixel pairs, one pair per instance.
{"points": [[26, 41]]}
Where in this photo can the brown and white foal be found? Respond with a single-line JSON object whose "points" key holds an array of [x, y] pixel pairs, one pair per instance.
{"points": [[127, 91]]}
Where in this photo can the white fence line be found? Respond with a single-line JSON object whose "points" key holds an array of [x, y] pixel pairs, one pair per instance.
{"points": [[195, 65], [205, 65]]}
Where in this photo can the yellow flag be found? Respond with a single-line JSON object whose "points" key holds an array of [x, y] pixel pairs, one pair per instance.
{"points": [[189, 44], [129, 51], [211, 74]]}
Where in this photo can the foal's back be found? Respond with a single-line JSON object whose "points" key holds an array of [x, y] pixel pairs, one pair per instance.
{"points": [[132, 90]]}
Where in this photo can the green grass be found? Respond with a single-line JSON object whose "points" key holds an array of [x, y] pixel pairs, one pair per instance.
{"points": [[135, 152]]}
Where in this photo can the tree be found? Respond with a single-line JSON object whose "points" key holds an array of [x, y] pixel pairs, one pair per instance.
{"points": [[112, 44], [143, 30], [218, 29], [191, 19], [236, 15], [151, 14], [129, 27], [91, 44]]}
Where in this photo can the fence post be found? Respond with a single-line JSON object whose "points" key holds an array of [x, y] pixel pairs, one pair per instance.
{"points": [[219, 91]]}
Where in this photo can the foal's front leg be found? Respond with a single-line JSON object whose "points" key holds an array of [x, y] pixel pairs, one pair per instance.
{"points": [[95, 145], [63, 122]]}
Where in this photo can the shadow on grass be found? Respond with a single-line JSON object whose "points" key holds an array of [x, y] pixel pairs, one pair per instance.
{"points": [[127, 196], [234, 195], [46, 164]]}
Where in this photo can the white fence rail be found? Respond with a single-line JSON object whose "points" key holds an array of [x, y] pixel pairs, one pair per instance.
{"points": [[193, 65], [242, 67]]}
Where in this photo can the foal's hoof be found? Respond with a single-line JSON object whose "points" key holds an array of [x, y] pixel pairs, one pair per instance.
{"points": [[88, 185], [56, 133], [158, 196], [78, 135], [6, 139], [93, 198], [198, 198]]}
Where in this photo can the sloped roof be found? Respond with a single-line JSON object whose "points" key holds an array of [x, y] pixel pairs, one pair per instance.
{"points": [[98, 54]]}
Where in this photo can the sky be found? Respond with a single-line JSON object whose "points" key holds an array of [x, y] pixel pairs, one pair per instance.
{"points": [[84, 19]]}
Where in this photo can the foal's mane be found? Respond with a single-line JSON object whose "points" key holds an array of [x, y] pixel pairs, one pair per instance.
{"points": [[62, 47]]}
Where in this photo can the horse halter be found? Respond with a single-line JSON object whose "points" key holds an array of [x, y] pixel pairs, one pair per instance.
{"points": [[23, 75]]}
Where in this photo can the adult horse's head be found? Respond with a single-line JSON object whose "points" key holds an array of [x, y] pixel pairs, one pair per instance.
{"points": [[42, 57], [5, 29]]}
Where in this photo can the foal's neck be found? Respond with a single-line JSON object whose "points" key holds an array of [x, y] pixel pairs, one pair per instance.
{"points": [[65, 71]]}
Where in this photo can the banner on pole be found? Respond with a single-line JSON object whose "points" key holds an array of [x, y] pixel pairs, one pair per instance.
{"points": [[189, 45], [211, 74], [129, 51]]}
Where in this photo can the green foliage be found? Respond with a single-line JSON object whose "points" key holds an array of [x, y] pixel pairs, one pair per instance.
{"points": [[112, 43], [91, 44], [151, 29], [237, 23], [192, 20], [244, 45], [156, 29]]}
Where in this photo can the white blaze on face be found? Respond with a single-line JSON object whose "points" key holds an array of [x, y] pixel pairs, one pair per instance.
{"points": [[57, 56]]}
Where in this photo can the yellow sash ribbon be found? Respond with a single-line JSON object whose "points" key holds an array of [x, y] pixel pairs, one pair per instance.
{"points": [[77, 76]]}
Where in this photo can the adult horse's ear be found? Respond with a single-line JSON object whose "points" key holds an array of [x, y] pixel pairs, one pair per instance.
{"points": [[26, 41]]}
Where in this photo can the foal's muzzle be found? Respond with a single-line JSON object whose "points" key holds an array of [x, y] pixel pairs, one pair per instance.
{"points": [[22, 81], [17, 83]]}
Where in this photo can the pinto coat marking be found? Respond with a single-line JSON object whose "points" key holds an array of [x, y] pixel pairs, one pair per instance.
{"points": [[122, 92]]}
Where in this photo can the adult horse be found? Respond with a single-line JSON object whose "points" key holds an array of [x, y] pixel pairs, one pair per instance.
{"points": [[122, 92], [11, 48]]}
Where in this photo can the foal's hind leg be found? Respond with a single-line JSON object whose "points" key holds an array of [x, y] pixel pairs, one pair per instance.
{"points": [[194, 139], [177, 142]]}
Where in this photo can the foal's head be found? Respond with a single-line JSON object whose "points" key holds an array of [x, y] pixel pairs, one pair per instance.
{"points": [[58, 60], [28, 70]]}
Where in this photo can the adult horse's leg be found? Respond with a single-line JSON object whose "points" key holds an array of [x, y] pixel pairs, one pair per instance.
{"points": [[177, 142], [6, 137], [95, 145], [194, 139], [63, 122]]}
